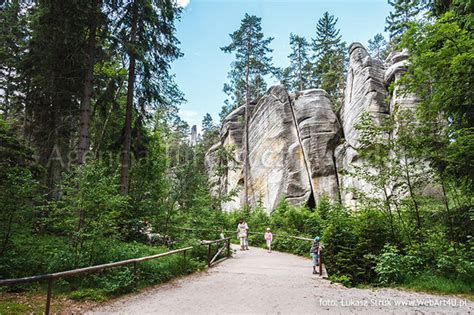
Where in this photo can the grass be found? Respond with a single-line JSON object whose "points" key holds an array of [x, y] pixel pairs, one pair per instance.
{"points": [[97, 295], [7, 307], [438, 284]]}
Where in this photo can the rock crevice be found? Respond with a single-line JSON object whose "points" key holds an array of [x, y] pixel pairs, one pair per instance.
{"points": [[299, 149]]}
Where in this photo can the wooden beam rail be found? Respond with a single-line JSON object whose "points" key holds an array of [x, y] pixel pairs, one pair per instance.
{"points": [[233, 232], [52, 276], [212, 259]]}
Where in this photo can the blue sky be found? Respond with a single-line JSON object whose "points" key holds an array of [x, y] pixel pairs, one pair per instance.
{"points": [[206, 24]]}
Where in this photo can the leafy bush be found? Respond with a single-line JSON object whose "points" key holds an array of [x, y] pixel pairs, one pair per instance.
{"points": [[389, 266], [343, 279]]}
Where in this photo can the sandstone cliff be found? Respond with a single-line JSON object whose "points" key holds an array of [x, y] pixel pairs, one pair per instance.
{"points": [[299, 149]]}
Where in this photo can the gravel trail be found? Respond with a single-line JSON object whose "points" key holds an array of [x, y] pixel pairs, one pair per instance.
{"points": [[256, 282]]}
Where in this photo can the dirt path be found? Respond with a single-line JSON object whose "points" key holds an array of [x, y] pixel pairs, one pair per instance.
{"points": [[256, 282]]}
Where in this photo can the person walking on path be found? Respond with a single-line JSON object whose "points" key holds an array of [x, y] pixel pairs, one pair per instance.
{"points": [[269, 239], [314, 252], [242, 233]]}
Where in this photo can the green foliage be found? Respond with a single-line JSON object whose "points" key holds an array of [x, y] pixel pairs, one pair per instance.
{"points": [[300, 64], [252, 63], [89, 208], [403, 12], [343, 279], [378, 47], [427, 282], [154, 46], [389, 265], [441, 72], [19, 188], [14, 308], [13, 35], [328, 58], [87, 294]]}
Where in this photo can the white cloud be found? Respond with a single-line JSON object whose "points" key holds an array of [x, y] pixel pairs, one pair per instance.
{"points": [[182, 3]]}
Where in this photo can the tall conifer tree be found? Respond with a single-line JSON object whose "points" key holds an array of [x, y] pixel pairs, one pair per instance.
{"points": [[147, 36], [328, 58], [300, 65], [403, 12], [13, 37], [252, 63], [378, 46]]}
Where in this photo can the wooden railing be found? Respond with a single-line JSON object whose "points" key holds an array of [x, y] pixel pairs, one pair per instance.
{"points": [[63, 274], [320, 256], [226, 246]]}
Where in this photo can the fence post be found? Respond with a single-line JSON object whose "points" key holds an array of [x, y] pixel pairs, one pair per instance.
{"points": [[209, 255], [185, 262], [228, 247], [135, 275], [320, 263], [48, 298]]}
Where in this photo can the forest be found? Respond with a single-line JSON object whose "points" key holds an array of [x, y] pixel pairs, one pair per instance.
{"points": [[92, 146]]}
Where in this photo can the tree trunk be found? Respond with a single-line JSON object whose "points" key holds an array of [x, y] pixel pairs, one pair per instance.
{"points": [[389, 211], [98, 142], [412, 195], [84, 138], [6, 97], [125, 169], [300, 75], [246, 132]]}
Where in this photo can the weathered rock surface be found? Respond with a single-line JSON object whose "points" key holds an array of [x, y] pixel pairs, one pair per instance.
{"points": [[299, 149], [319, 133], [271, 134], [365, 92], [291, 144], [397, 63]]}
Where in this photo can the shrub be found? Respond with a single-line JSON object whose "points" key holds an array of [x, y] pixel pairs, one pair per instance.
{"points": [[343, 279], [389, 265]]}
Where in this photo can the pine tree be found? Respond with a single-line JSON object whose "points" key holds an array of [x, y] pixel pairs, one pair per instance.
{"points": [[300, 66], [207, 123], [378, 46], [94, 13], [147, 36], [403, 12], [328, 58], [13, 37], [285, 77], [53, 69], [252, 64]]}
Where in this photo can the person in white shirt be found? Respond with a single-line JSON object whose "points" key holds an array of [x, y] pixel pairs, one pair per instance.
{"points": [[242, 233]]}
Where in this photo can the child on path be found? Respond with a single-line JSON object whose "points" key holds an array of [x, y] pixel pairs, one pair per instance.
{"points": [[314, 252], [269, 239]]}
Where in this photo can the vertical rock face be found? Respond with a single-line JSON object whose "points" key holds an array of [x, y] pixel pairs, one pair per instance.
{"points": [[397, 63], [365, 92], [318, 133], [291, 144], [271, 133], [299, 150]]}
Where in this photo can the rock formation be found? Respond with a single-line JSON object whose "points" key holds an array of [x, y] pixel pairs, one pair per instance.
{"points": [[299, 149]]}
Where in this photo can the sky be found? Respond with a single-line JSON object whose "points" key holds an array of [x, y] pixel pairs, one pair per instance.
{"points": [[205, 26]]}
